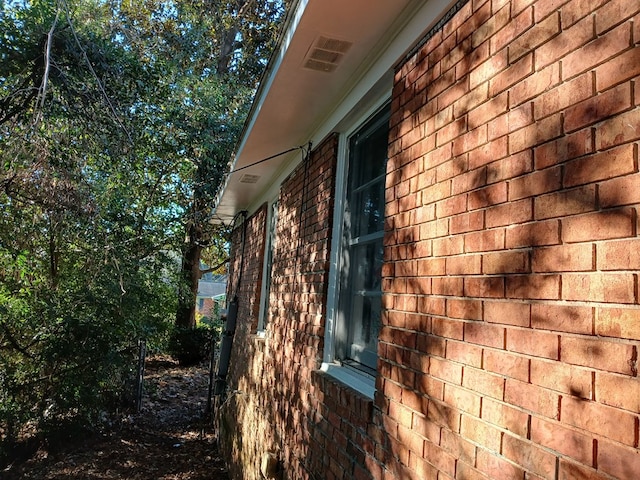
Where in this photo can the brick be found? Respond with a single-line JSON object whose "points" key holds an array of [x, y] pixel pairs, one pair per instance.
{"points": [[540, 132], [614, 12], [534, 286], [572, 471], [562, 439], [484, 383], [466, 222], [620, 191], [509, 213], [487, 196], [564, 258], [620, 129], [533, 343], [512, 31], [488, 153], [618, 391], [451, 206], [470, 101], [619, 255], [445, 370], [452, 286], [465, 353], [564, 148], [442, 414], [458, 447], [484, 241], [443, 463], [567, 41], [480, 432], [533, 234], [484, 287], [450, 131], [562, 318], [562, 378], [505, 262], [515, 119], [469, 180], [534, 37], [511, 167], [599, 419], [601, 166], [512, 75], [598, 108], [603, 225], [489, 28], [508, 313], [577, 10], [618, 460], [618, 322], [488, 69], [430, 386], [462, 265], [599, 287], [533, 398], [536, 183], [448, 328], [507, 364], [534, 85], [462, 399], [597, 51], [565, 202], [543, 8], [505, 416], [596, 353], [622, 68], [468, 309], [496, 467], [530, 456], [563, 96], [484, 334], [488, 110]]}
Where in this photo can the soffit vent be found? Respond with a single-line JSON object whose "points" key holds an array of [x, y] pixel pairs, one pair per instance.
{"points": [[248, 178], [326, 54]]}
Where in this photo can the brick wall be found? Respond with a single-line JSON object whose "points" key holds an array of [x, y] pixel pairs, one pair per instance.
{"points": [[511, 328], [271, 401]]}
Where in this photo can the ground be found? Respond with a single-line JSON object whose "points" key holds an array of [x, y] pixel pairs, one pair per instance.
{"points": [[168, 440]]}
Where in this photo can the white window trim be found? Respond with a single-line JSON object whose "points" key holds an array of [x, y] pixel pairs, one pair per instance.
{"points": [[264, 302], [356, 379]]}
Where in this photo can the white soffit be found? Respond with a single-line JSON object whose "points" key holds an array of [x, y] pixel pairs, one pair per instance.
{"points": [[328, 50]]}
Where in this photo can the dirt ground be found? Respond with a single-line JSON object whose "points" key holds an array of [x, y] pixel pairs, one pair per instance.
{"points": [[167, 440]]}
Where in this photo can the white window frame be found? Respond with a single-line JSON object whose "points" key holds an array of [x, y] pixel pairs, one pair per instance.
{"points": [[267, 266], [359, 380]]}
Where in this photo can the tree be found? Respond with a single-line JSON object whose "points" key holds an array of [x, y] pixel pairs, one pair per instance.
{"points": [[117, 120]]}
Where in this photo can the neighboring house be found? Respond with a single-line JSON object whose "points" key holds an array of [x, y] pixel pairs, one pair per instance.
{"points": [[212, 291], [446, 285]]}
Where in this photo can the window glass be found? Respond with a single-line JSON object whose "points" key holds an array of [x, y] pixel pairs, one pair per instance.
{"points": [[270, 247], [360, 293]]}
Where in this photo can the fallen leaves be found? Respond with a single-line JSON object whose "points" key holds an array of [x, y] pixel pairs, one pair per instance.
{"points": [[169, 439]]}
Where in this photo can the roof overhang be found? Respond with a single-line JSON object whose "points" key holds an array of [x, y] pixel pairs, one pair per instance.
{"points": [[327, 49]]}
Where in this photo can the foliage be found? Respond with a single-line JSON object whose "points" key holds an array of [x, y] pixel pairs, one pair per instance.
{"points": [[190, 346], [117, 120]]}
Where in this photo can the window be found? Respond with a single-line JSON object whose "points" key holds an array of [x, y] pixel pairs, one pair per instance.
{"points": [[359, 265], [268, 265]]}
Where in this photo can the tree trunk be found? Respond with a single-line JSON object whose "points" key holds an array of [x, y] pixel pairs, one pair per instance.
{"points": [[189, 276]]}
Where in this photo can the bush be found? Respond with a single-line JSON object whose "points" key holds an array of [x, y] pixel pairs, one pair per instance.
{"points": [[190, 346]]}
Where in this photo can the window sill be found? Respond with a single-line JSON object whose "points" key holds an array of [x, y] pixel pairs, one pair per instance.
{"points": [[358, 381]]}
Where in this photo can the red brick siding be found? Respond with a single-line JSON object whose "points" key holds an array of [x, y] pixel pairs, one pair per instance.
{"points": [[273, 404], [511, 328], [522, 230]]}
